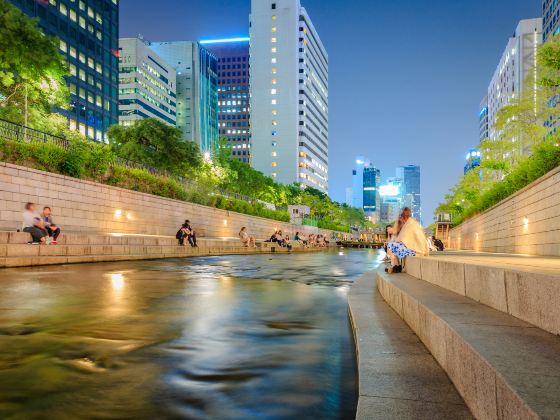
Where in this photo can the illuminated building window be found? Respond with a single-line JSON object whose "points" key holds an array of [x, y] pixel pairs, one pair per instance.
{"points": [[274, 29], [273, 60], [274, 154], [273, 50], [273, 18], [273, 81], [274, 164], [274, 40], [273, 174], [274, 70], [273, 91], [273, 102]]}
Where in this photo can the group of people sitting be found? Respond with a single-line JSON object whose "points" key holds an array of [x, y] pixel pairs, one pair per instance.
{"points": [[404, 239], [41, 227]]}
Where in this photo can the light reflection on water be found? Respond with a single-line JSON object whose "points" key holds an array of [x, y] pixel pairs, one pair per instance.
{"points": [[218, 337]]}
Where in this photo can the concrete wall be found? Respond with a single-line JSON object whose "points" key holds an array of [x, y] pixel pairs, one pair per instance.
{"points": [[82, 205], [528, 222]]}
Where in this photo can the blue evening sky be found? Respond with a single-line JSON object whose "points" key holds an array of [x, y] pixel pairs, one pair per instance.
{"points": [[406, 77]]}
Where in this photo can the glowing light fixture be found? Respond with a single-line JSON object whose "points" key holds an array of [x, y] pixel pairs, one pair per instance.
{"points": [[224, 40]]}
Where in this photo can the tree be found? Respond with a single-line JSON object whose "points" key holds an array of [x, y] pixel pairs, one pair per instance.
{"points": [[154, 143], [31, 69]]}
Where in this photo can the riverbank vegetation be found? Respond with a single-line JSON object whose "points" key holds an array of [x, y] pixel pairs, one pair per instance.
{"points": [[527, 144]]}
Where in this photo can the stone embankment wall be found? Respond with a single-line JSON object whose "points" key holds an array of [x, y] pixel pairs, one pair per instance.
{"points": [[528, 222], [80, 205]]}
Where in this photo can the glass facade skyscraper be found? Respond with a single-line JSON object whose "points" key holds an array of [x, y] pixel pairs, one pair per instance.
{"points": [[410, 176], [233, 94], [551, 18], [372, 179], [197, 90], [88, 32]]}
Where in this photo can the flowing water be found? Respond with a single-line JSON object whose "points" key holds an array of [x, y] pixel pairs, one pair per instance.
{"points": [[233, 337]]}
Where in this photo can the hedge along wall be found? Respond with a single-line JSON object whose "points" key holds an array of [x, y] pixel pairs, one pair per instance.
{"points": [[528, 222], [80, 205]]}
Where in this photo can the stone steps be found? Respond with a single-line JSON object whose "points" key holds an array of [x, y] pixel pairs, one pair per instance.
{"points": [[398, 377], [80, 248], [503, 367], [525, 287]]}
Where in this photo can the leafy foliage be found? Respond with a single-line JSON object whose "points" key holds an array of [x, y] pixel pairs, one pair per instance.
{"points": [[154, 143], [526, 147], [31, 69]]}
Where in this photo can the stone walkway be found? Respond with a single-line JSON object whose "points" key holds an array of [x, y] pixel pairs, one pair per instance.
{"points": [[398, 377], [534, 264]]}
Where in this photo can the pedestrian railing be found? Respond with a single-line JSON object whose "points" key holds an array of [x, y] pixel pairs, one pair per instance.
{"points": [[16, 132]]}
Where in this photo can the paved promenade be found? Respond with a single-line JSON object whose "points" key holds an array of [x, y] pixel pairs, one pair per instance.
{"points": [[398, 377]]}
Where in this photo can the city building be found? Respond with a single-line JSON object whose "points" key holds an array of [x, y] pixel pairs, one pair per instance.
{"points": [[473, 160], [364, 193], [391, 199], [289, 95], [410, 191], [372, 198], [88, 33], [517, 63], [146, 84], [483, 120], [358, 183], [234, 113], [551, 18], [197, 90]]}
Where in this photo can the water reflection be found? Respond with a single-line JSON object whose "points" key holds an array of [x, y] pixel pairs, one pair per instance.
{"points": [[219, 337]]}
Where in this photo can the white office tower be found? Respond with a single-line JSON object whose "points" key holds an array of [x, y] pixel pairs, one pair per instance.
{"points": [[515, 72], [146, 84], [289, 95]]}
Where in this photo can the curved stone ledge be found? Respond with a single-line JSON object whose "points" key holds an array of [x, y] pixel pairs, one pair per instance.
{"points": [[531, 293], [398, 378], [503, 368]]}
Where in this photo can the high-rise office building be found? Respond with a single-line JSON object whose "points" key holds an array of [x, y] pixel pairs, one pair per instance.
{"points": [[364, 193], [551, 18], [146, 84], [358, 183], [515, 72], [197, 90], [372, 198], [391, 192], [483, 127], [289, 95], [410, 176], [233, 94], [88, 31]]}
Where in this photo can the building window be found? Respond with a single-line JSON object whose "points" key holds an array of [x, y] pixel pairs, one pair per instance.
{"points": [[273, 60], [273, 91], [274, 40], [274, 29], [273, 102], [273, 6], [274, 164], [273, 50], [273, 81], [273, 18]]}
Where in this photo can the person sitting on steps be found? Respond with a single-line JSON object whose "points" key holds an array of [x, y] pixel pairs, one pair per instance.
{"points": [[186, 232], [52, 229], [246, 240], [33, 225], [408, 241]]}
